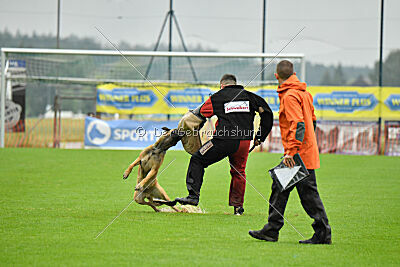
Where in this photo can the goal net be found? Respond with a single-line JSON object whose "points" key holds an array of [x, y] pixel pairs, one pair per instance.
{"points": [[47, 93]]}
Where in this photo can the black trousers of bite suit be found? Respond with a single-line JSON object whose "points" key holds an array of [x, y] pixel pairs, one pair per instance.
{"points": [[236, 150]]}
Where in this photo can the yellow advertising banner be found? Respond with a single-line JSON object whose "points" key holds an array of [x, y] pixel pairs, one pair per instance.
{"points": [[356, 102], [330, 102]]}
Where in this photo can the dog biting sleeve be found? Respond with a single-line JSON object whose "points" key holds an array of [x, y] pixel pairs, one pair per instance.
{"points": [[189, 126]]}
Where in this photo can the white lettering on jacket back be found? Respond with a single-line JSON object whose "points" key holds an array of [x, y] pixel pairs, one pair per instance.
{"points": [[237, 106]]}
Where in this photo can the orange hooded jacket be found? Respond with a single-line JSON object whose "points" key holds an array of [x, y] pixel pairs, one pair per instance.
{"points": [[297, 121]]}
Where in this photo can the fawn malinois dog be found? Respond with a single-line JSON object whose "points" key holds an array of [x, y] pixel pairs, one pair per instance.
{"points": [[150, 161]]}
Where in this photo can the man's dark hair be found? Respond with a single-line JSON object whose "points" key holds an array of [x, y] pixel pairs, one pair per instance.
{"points": [[284, 69], [228, 79]]}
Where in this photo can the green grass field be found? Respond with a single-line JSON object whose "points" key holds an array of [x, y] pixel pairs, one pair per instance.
{"points": [[55, 202]]}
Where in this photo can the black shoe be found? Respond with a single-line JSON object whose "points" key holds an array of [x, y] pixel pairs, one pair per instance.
{"points": [[164, 202], [259, 235], [314, 240], [189, 200], [238, 210]]}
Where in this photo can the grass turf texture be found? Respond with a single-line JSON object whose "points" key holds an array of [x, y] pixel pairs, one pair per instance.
{"points": [[54, 202]]}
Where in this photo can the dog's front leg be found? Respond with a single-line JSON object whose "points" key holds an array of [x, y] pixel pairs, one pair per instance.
{"points": [[152, 174], [129, 169]]}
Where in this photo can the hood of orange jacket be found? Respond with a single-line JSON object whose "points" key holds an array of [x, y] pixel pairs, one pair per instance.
{"points": [[292, 83]]}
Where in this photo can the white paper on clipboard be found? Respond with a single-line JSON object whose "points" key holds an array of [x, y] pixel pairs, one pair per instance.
{"points": [[285, 175]]}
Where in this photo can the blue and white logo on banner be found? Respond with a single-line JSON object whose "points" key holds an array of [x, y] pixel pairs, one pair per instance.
{"points": [[189, 98], [97, 132], [125, 134], [345, 102], [393, 102]]}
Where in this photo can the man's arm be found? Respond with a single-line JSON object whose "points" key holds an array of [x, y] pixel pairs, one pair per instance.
{"points": [[207, 109], [267, 119], [203, 111], [294, 114]]}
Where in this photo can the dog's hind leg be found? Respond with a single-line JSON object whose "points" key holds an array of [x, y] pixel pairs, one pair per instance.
{"points": [[159, 192], [131, 166], [152, 204], [140, 199]]}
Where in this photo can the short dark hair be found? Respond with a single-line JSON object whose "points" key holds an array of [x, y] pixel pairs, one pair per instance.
{"points": [[284, 69], [228, 79]]}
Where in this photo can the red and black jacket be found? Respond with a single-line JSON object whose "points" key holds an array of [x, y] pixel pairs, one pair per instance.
{"points": [[235, 109]]}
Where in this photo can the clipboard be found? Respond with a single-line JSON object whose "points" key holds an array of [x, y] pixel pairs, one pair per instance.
{"points": [[286, 177]]}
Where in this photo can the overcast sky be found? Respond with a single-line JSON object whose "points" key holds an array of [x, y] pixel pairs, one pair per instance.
{"points": [[345, 31]]}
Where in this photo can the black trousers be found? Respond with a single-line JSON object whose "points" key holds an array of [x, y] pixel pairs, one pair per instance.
{"points": [[214, 151], [311, 202]]}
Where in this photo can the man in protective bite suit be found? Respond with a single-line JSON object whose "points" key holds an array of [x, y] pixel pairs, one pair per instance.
{"points": [[235, 108]]}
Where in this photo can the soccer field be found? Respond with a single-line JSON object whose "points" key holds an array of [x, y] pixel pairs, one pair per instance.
{"points": [[55, 202]]}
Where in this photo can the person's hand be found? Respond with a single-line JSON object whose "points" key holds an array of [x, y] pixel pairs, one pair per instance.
{"points": [[289, 161], [257, 142]]}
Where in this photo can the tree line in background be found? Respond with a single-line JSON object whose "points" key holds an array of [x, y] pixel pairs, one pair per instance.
{"points": [[317, 74]]}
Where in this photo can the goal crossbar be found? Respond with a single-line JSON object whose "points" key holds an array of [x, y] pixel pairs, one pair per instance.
{"points": [[147, 53]]}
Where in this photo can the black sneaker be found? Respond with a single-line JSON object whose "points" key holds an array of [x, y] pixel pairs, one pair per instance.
{"points": [[259, 235], [189, 200], [238, 211], [314, 240]]}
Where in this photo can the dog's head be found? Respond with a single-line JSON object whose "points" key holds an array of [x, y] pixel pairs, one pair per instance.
{"points": [[169, 138]]}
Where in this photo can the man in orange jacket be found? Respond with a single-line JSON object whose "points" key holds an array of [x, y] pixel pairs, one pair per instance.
{"points": [[297, 122]]}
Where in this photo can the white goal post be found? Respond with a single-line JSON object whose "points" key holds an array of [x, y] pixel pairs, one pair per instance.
{"points": [[114, 67]]}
